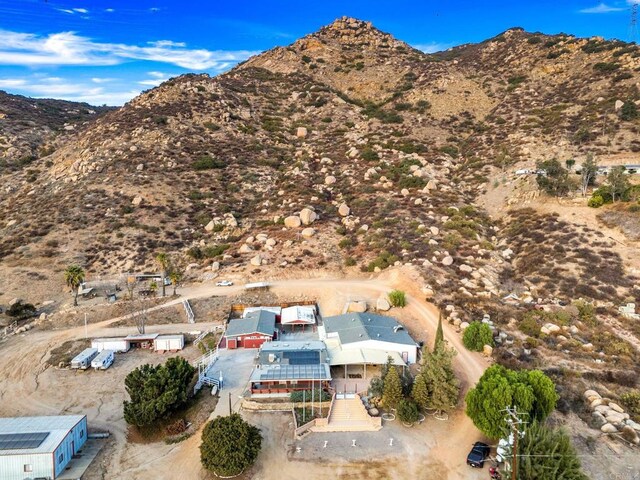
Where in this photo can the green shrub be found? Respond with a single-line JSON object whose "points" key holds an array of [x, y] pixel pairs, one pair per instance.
{"points": [[349, 262], [606, 67], [408, 411], [476, 336], [596, 201], [230, 445], [305, 396], [397, 298], [207, 162], [369, 154], [382, 261], [213, 251], [631, 400], [629, 111]]}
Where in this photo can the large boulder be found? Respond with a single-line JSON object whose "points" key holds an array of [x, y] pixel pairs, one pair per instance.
{"points": [[382, 304], [487, 350], [301, 132], [608, 428], [598, 419], [209, 226], [616, 407], [307, 216], [344, 210], [357, 307], [246, 248], [257, 260], [292, 221], [329, 180], [137, 200], [308, 232], [448, 260]]}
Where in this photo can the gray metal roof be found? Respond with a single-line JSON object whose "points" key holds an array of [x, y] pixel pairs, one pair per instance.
{"points": [[272, 373], [261, 321], [359, 327], [33, 435]]}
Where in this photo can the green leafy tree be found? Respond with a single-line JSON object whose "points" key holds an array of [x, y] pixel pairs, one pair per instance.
{"points": [[530, 391], [392, 393], [408, 411], [547, 453], [588, 172], [398, 298], [555, 179], [618, 182], [162, 259], [157, 390], [476, 336], [230, 445], [73, 277]]}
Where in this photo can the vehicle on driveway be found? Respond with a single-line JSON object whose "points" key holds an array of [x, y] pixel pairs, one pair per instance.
{"points": [[224, 283], [478, 455]]}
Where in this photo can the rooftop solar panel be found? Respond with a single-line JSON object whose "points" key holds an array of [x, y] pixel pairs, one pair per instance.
{"points": [[21, 441]]}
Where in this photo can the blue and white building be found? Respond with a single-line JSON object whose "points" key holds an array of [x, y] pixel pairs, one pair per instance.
{"points": [[39, 447]]}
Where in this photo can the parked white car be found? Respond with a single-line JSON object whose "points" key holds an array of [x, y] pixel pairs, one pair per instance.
{"points": [[224, 283]]}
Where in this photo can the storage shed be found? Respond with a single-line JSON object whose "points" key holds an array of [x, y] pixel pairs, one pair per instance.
{"points": [[252, 331], [298, 316], [118, 344], [168, 343], [39, 447]]}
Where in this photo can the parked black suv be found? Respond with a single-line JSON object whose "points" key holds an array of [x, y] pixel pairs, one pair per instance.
{"points": [[478, 455]]}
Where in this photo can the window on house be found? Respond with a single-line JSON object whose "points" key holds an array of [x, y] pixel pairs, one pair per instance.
{"points": [[81, 433], [28, 468], [60, 458]]}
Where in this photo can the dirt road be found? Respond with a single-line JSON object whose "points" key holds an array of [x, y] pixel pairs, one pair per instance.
{"points": [[28, 387]]}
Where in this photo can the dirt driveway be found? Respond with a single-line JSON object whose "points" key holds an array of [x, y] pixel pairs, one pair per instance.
{"points": [[28, 386]]}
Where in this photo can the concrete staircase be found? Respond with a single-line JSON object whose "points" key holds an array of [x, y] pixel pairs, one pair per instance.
{"points": [[348, 415]]}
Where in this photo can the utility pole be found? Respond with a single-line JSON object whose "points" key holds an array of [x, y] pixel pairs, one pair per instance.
{"points": [[514, 421], [230, 412], [85, 327]]}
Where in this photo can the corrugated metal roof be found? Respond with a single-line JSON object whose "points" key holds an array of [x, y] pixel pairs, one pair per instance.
{"points": [[360, 356], [55, 428], [359, 327], [261, 321], [298, 314]]}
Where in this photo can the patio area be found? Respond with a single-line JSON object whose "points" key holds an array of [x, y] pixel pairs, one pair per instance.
{"points": [[353, 378]]}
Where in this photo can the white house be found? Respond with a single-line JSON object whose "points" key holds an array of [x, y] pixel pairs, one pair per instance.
{"points": [[369, 337], [39, 447]]}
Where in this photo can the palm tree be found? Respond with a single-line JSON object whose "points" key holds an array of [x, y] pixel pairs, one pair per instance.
{"points": [[73, 277], [162, 259]]}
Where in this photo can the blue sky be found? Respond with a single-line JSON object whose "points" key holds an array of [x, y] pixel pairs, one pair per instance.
{"points": [[107, 51]]}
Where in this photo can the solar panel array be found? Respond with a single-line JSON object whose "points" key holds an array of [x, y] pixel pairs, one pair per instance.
{"points": [[22, 441], [295, 372], [302, 357]]}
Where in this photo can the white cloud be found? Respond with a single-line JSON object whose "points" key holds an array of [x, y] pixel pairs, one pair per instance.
{"points": [[432, 47], [102, 80], [602, 8], [81, 10], [12, 82], [68, 48], [109, 10], [157, 74]]}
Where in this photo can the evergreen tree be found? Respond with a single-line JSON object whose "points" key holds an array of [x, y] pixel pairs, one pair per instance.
{"points": [[230, 445], [440, 379], [618, 182], [392, 394], [420, 392], [439, 341], [547, 453]]}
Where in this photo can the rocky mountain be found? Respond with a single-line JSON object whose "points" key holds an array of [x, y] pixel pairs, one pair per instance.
{"points": [[390, 147], [33, 128]]}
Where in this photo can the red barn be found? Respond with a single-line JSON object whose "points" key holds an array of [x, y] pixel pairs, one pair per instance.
{"points": [[252, 331]]}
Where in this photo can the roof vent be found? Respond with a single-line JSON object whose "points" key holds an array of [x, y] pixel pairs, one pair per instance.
{"points": [[378, 335], [360, 335], [397, 327]]}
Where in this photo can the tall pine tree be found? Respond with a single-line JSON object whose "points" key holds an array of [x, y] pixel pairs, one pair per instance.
{"points": [[392, 389], [439, 342]]}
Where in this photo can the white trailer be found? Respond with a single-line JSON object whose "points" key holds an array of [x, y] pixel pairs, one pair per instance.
{"points": [[83, 359], [168, 343], [104, 360], [118, 344]]}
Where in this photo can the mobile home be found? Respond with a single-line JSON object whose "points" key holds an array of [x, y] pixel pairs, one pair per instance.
{"points": [[83, 359], [118, 344], [104, 360]]}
